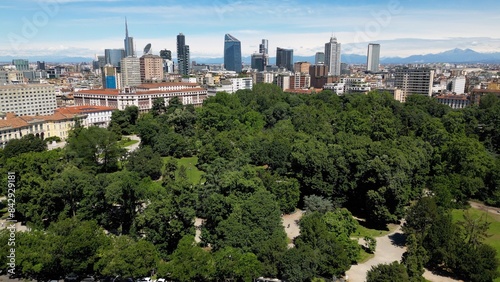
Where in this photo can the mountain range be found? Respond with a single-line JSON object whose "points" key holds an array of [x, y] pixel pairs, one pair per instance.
{"points": [[451, 56]]}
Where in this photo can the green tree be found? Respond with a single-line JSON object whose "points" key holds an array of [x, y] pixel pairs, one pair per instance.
{"points": [[393, 272], [190, 262], [233, 264], [27, 143], [125, 257], [145, 162]]}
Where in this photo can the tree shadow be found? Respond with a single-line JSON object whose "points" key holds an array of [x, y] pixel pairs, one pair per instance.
{"points": [[372, 225], [398, 239]]}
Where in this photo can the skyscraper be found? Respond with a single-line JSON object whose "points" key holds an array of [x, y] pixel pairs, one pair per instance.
{"points": [[263, 47], [259, 61], [166, 54], [284, 58], [129, 42], [232, 53], [182, 55], [373, 57], [319, 59], [114, 56], [332, 56]]}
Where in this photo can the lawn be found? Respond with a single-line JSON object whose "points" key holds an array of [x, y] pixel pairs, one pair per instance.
{"points": [[127, 142], [494, 230], [193, 173], [363, 231]]}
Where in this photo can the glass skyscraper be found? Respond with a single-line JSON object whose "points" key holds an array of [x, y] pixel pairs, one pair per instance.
{"points": [[284, 58], [114, 56], [182, 55], [232, 53], [129, 42]]}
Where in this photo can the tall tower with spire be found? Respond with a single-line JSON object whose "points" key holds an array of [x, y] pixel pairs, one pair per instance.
{"points": [[129, 43]]}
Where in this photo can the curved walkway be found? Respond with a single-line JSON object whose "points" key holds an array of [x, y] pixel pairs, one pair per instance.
{"points": [[389, 248]]}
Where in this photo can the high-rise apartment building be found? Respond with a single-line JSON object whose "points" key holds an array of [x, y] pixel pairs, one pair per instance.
{"points": [[129, 43], [28, 99], [130, 72], [113, 56], [151, 68], [373, 57], [413, 81], [284, 58], [332, 56], [319, 58], [301, 67], [183, 58], [232, 53]]}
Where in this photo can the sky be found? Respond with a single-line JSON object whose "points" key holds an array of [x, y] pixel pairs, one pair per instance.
{"points": [[403, 28]]}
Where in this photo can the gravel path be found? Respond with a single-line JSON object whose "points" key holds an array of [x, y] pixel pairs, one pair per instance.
{"points": [[290, 223], [389, 248]]}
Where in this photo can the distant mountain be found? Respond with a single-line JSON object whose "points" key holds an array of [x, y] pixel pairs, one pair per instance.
{"points": [[451, 56]]}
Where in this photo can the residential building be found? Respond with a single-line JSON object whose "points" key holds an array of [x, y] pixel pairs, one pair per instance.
{"points": [[130, 72], [264, 77], [456, 85], [142, 96], [300, 80], [319, 75], [373, 57], [283, 81], [332, 56], [413, 81], [231, 85], [28, 99], [128, 42], [11, 77], [151, 67], [284, 58], [183, 56], [232, 53], [301, 67], [454, 101]]}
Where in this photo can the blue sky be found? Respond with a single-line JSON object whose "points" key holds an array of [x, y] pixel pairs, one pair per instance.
{"points": [[87, 27]]}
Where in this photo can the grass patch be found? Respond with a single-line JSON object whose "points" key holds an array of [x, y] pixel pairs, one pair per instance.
{"points": [[193, 173], [127, 142], [493, 230], [363, 231], [364, 256]]}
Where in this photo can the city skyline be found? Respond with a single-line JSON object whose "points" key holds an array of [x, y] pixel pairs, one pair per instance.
{"points": [[86, 28]]}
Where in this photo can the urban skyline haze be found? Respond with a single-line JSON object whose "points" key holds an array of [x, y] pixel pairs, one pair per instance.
{"points": [[87, 27]]}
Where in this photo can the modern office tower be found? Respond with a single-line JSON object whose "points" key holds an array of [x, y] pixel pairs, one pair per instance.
{"points": [[319, 58], [113, 56], [28, 99], [130, 72], [110, 77], [413, 81], [232, 53], [151, 68], [166, 54], [301, 67], [259, 61], [332, 56], [40, 65], [284, 58], [129, 42], [183, 63], [264, 47], [373, 57], [21, 64]]}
